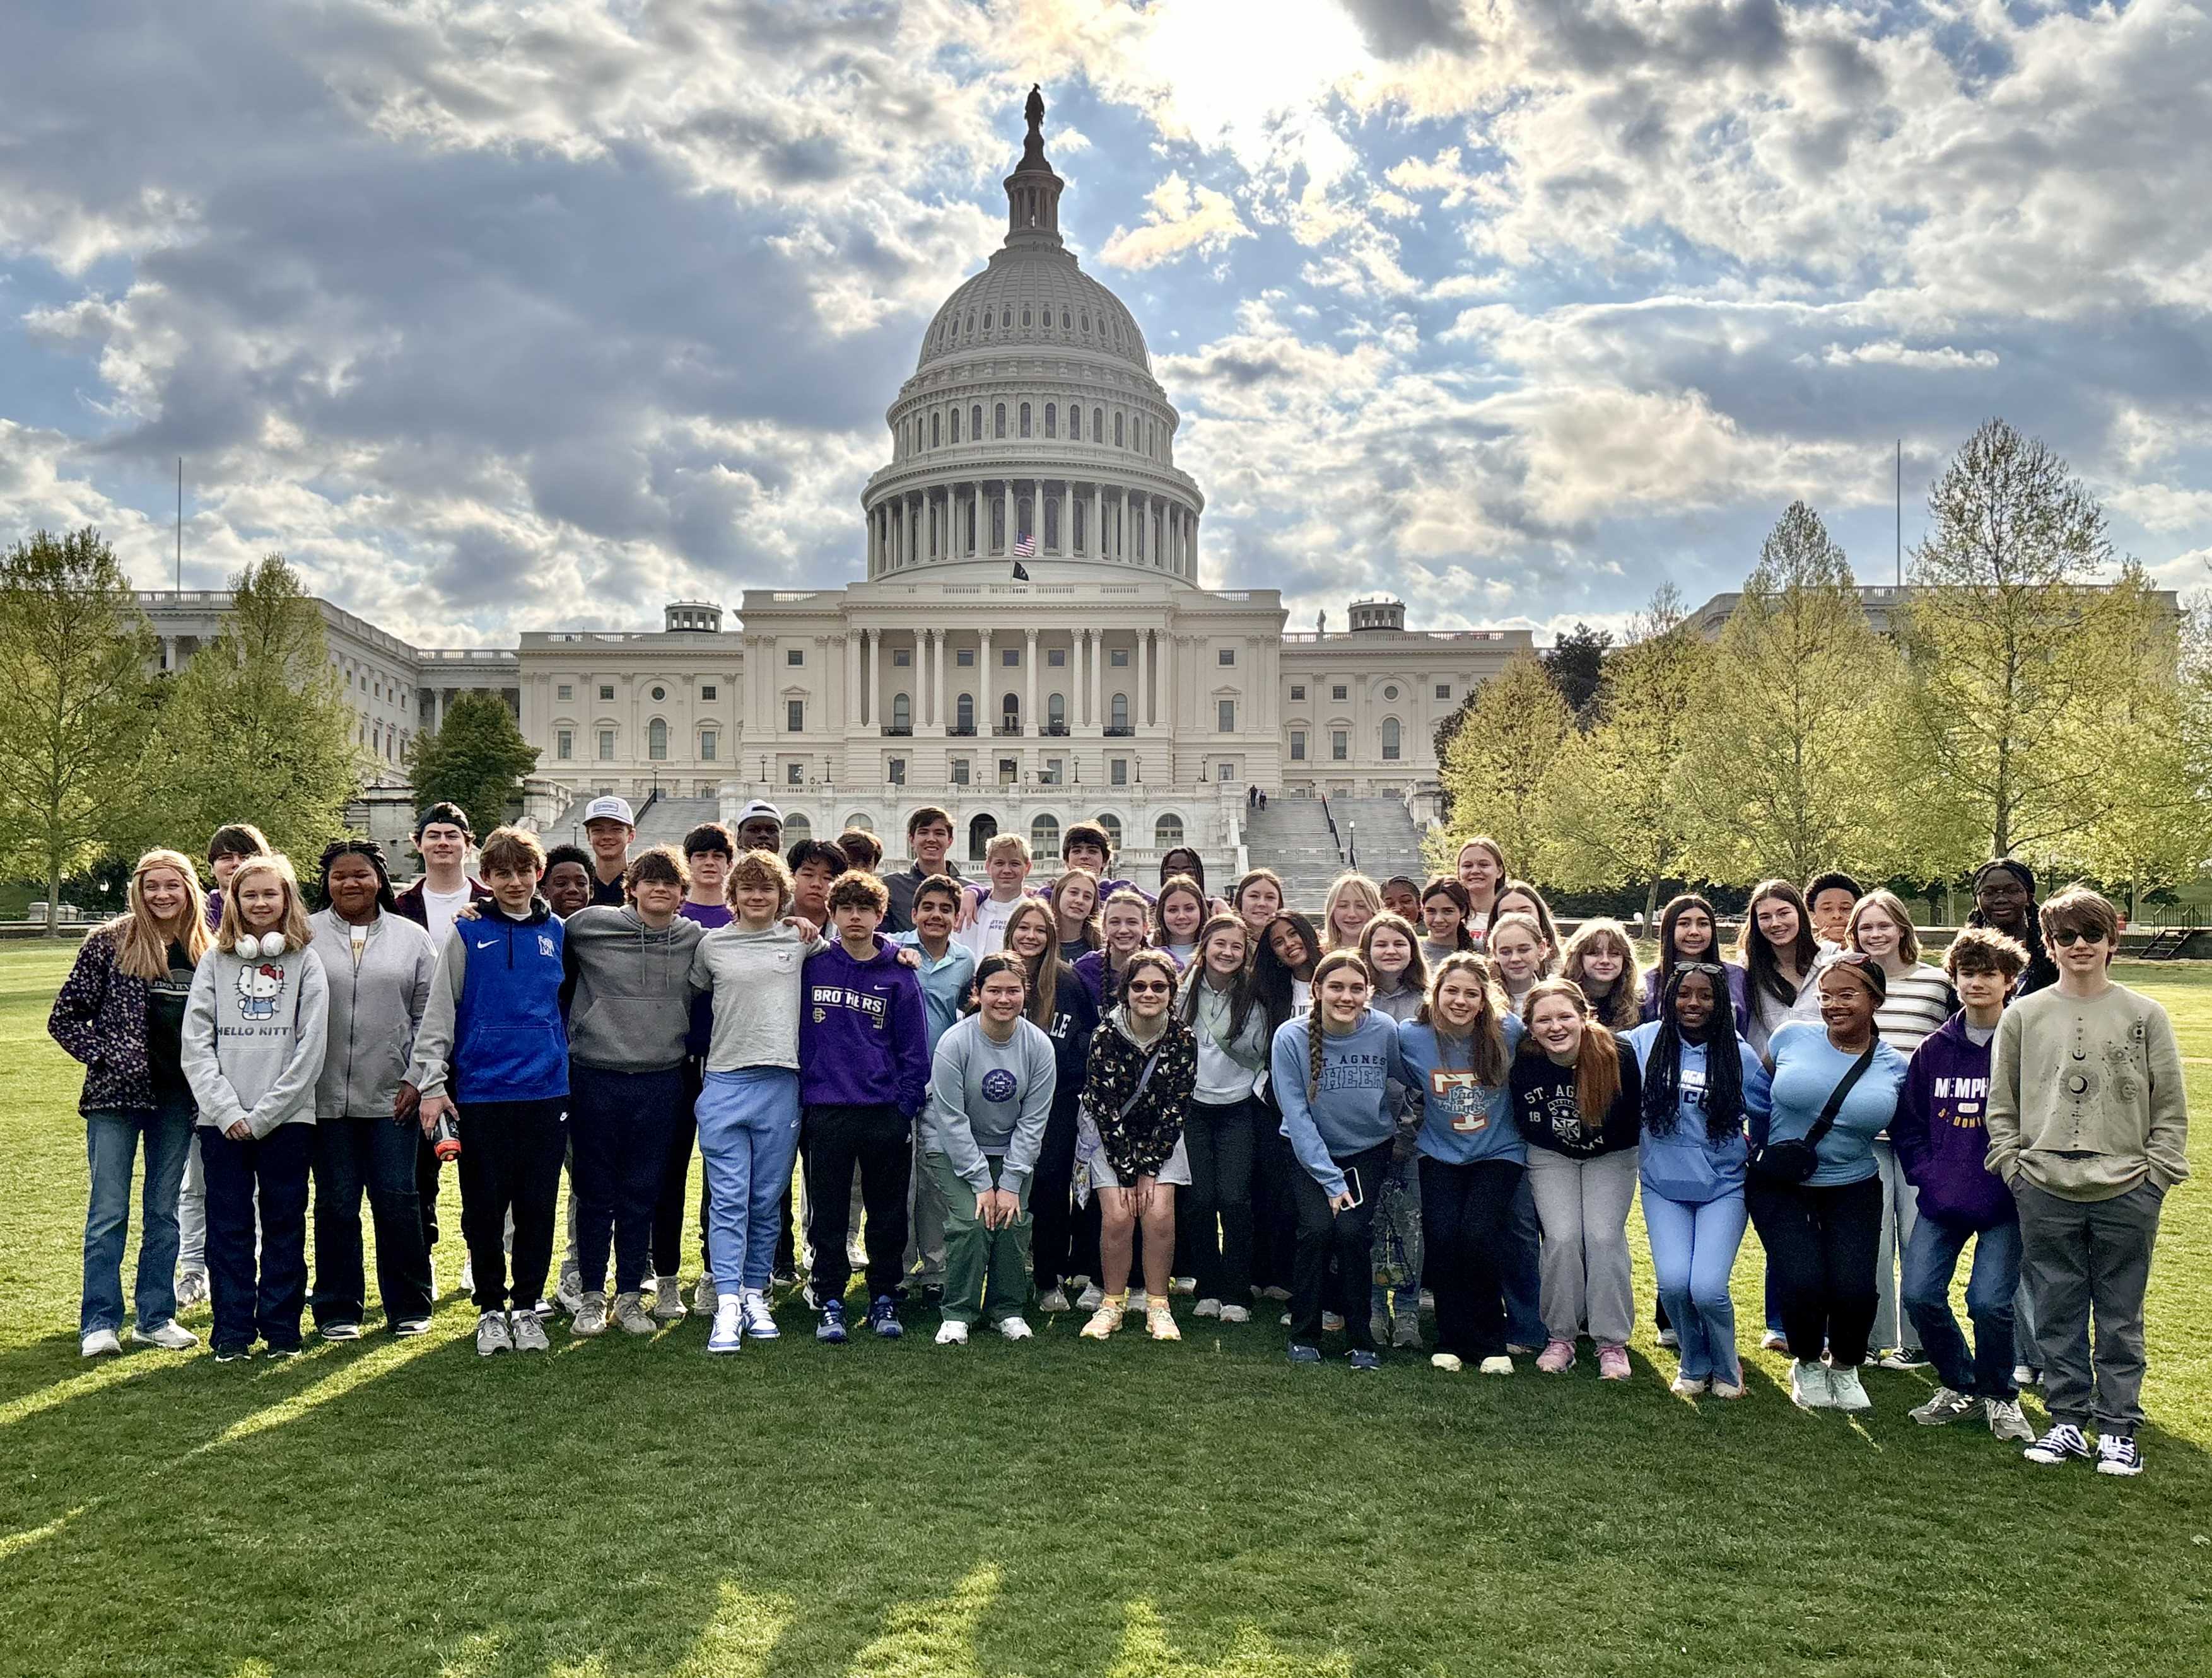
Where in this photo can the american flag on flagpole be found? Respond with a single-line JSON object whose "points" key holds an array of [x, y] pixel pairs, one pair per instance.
{"points": [[1025, 548]]}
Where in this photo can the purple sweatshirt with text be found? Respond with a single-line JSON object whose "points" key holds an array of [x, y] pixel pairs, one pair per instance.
{"points": [[863, 1032], [1942, 1132]]}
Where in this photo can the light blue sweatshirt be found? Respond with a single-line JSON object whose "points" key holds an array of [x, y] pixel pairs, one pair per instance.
{"points": [[1807, 1070], [1684, 1166], [1462, 1121], [1349, 1112]]}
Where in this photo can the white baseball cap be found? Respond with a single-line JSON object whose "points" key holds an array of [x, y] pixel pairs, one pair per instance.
{"points": [[609, 809], [760, 807]]}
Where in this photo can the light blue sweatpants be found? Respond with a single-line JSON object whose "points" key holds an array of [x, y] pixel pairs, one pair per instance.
{"points": [[748, 1136], [1693, 1251]]}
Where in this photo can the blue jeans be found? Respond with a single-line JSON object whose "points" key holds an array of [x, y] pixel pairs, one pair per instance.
{"points": [[378, 1156], [748, 1136], [111, 1146], [1930, 1257], [1519, 1272], [1693, 1251], [268, 1303]]}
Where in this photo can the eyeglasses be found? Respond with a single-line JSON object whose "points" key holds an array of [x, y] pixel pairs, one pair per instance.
{"points": [[2067, 936], [1137, 988]]}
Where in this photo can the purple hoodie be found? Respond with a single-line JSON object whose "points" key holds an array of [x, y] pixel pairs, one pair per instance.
{"points": [[863, 1032], [1942, 1130]]}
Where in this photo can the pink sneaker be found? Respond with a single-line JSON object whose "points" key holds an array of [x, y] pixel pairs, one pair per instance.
{"points": [[1557, 1358], [1613, 1363]]}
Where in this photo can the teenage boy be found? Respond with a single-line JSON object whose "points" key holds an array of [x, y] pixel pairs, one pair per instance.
{"points": [[2004, 899], [929, 837], [609, 829], [569, 880], [708, 850], [710, 853], [1085, 847], [1830, 896], [813, 864], [862, 849], [227, 846], [864, 1074], [628, 1006], [493, 1052], [1941, 1131], [442, 838], [2088, 1126], [1006, 859], [760, 826], [948, 969]]}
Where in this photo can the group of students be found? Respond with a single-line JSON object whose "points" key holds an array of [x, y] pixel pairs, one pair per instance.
{"points": [[1012, 1091]]}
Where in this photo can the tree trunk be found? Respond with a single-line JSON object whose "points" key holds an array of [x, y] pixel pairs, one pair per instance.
{"points": [[53, 897], [1651, 908]]}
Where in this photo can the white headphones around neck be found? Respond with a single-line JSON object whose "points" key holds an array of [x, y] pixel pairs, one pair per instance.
{"points": [[268, 944]]}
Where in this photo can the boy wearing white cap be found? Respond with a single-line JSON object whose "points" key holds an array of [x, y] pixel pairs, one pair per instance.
{"points": [[609, 827]]}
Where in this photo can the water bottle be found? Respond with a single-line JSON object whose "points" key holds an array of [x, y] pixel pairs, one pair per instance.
{"points": [[445, 1138]]}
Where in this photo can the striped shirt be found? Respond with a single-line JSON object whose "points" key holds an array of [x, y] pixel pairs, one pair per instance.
{"points": [[1919, 1001]]}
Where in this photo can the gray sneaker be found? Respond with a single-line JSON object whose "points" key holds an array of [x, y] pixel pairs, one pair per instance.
{"points": [[1847, 1391], [1808, 1386], [630, 1314], [170, 1337], [667, 1300], [192, 1288], [2006, 1421], [1405, 1333], [491, 1333], [569, 1291], [591, 1315], [704, 1297], [1944, 1406], [530, 1333]]}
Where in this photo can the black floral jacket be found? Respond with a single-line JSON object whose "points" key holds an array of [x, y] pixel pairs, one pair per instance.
{"points": [[99, 1018], [1137, 1143]]}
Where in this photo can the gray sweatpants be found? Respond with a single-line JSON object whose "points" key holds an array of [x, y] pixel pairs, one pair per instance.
{"points": [[2082, 1256], [1583, 1275], [925, 1223], [1900, 1210]]}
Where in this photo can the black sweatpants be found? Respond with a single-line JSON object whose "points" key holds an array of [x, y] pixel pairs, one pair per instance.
{"points": [[1275, 1174], [1052, 1203], [879, 1139], [1820, 1246], [619, 1126], [674, 1177], [1218, 1141], [1467, 1217], [1345, 1236], [511, 1156]]}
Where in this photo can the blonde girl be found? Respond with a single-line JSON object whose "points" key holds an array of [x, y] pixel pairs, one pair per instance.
{"points": [[1352, 901], [1481, 868]]}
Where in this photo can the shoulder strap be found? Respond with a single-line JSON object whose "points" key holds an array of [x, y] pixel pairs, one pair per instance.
{"points": [[1827, 1122]]}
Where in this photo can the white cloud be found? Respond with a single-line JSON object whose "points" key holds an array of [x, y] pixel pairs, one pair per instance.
{"points": [[1180, 219]]}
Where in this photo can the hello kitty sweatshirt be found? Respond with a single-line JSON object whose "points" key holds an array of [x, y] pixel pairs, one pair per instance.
{"points": [[255, 1032]]}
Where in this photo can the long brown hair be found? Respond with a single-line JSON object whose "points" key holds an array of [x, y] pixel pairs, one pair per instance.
{"points": [[1597, 1061], [1327, 965], [1756, 951], [142, 947], [1240, 993], [1045, 970], [1487, 1036], [1623, 1008], [1091, 936], [1416, 976], [294, 925]]}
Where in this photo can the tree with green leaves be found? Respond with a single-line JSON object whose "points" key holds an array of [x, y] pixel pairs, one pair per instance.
{"points": [[1493, 768], [1796, 705], [477, 758], [1615, 813], [1575, 663], [255, 727], [74, 655], [2012, 648]]}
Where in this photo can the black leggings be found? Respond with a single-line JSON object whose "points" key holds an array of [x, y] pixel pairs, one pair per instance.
{"points": [[1051, 1200], [1820, 1246], [1218, 1141], [1466, 1213]]}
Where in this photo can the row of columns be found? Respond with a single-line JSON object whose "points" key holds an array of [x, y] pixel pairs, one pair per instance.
{"points": [[863, 649], [957, 521]]}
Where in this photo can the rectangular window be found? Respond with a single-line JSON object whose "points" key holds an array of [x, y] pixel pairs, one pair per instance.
{"points": [[794, 655], [1297, 690], [794, 715], [1297, 745], [902, 658], [1118, 657], [959, 772], [1054, 768], [1118, 771], [1443, 690], [1226, 656], [606, 690], [1011, 657], [795, 774], [1225, 770], [707, 693], [894, 771], [706, 745], [1340, 692], [567, 690], [965, 658], [1340, 744], [1056, 658], [564, 744], [1010, 771], [1224, 719], [606, 745]]}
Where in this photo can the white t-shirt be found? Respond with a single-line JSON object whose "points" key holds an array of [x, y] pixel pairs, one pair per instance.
{"points": [[987, 933], [439, 909]]}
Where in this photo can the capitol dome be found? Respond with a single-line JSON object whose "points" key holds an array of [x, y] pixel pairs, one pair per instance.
{"points": [[1032, 428]]}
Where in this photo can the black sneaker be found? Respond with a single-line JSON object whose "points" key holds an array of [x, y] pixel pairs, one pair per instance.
{"points": [[2117, 1454], [235, 1354], [2062, 1444]]}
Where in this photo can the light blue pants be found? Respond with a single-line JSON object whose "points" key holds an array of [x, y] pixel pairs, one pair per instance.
{"points": [[112, 1144], [748, 1138], [1693, 1251]]}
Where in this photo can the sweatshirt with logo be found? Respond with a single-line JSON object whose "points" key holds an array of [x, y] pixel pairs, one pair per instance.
{"points": [[493, 1030], [1348, 1110], [1942, 1130], [1684, 1163], [863, 1031], [254, 1039]]}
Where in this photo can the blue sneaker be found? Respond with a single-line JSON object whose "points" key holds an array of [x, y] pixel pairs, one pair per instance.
{"points": [[728, 1333], [831, 1329], [1304, 1354], [1365, 1360], [882, 1317]]}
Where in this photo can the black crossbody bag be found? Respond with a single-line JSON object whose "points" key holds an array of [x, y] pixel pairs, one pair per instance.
{"points": [[1795, 1160]]}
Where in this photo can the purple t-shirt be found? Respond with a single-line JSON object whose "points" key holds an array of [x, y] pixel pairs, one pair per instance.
{"points": [[708, 915]]}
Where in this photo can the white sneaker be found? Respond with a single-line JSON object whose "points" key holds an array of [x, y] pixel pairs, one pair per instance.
{"points": [[1728, 1389], [340, 1331], [705, 1297], [569, 1291], [1233, 1314], [630, 1315], [192, 1288], [469, 1276], [2022, 1375], [1848, 1392], [100, 1343], [492, 1336], [1685, 1386], [590, 1317], [1052, 1301], [1182, 1284], [1332, 1322], [1207, 1308], [1808, 1386], [950, 1333], [2006, 1421], [1500, 1364], [1447, 1361], [1014, 1327], [667, 1300], [171, 1336], [530, 1332], [1670, 1339], [856, 1253], [1091, 1297], [1774, 1341], [728, 1334], [2117, 1454], [759, 1320]]}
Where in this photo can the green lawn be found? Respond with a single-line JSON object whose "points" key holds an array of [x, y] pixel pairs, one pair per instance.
{"points": [[1055, 1508]]}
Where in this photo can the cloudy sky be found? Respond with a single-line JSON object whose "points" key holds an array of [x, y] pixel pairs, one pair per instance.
{"points": [[495, 316]]}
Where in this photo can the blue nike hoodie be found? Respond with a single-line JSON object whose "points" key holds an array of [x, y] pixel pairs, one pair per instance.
{"points": [[493, 1026], [863, 1032]]}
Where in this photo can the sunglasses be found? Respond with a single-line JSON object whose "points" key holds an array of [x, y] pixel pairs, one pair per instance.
{"points": [[2067, 936], [1147, 988]]}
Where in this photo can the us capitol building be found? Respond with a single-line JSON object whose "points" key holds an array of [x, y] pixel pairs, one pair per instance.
{"points": [[1109, 685]]}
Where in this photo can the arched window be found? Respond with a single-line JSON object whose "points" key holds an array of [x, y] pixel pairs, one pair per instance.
{"points": [[1167, 831], [1006, 318], [1117, 431], [956, 425], [1112, 824], [1010, 711], [981, 832], [1121, 710], [1097, 424], [1052, 419], [1063, 320], [964, 713], [1025, 419], [975, 423], [1044, 836], [656, 739], [998, 420], [902, 711], [860, 820], [971, 326], [1085, 319], [936, 433], [797, 827], [1390, 739], [1074, 423], [1055, 710]]}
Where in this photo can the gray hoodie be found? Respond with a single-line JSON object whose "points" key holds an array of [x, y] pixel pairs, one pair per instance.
{"points": [[376, 1007], [255, 1033], [988, 1099], [755, 979], [629, 988]]}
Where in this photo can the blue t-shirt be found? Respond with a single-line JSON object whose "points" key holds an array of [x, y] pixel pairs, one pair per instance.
{"points": [[1462, 1121], [1807, 1070]]}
